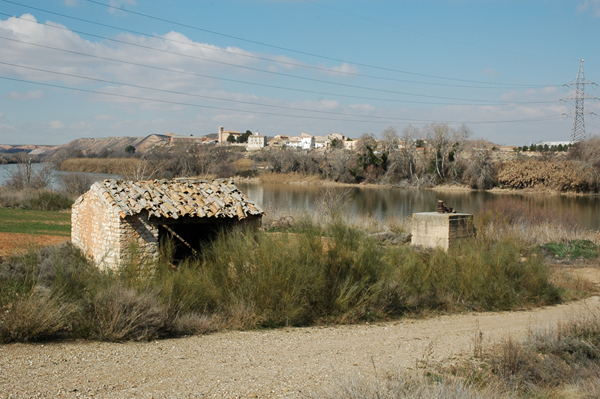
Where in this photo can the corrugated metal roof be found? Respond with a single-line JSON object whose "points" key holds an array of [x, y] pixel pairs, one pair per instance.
{"points": [[177, 198]]}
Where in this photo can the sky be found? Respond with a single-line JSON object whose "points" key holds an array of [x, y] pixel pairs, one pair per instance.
{"points": [[102, 68]]}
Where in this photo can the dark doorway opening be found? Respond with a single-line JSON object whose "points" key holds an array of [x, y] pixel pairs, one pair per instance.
{"points": [[189, 238]]}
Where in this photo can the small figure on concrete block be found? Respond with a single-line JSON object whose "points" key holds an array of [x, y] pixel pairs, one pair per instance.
{"points": [[444, 209]]}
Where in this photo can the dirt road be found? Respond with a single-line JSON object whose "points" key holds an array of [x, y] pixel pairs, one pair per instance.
{"points": [[288, 362]]}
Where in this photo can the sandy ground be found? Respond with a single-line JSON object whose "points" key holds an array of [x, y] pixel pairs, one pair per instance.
{"points": [[290, 362]]}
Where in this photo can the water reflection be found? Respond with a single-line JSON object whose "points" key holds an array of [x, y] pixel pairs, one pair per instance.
{"points": [[384, 202]]}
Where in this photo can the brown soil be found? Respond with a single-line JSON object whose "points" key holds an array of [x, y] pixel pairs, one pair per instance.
{"points": [[11, 243]]}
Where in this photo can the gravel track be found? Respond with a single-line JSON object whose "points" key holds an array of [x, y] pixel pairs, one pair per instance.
{"points": [[289, 362]]}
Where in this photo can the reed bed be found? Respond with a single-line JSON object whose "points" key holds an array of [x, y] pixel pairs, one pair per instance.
{"points": [[115, 166]]}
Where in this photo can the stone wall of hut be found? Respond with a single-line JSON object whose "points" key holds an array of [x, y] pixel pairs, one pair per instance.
{"points": [[106, 238], [95, 229]]}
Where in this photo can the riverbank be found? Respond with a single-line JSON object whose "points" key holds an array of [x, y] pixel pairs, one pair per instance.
{"points": [[306, 180]]}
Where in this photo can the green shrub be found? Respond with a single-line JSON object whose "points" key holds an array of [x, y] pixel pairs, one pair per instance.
{"points": [[477, 274], [246, 278], [572, 249], [50, 201]]}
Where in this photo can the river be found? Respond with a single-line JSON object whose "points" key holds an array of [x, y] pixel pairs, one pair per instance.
{"points": [[385, 201]]}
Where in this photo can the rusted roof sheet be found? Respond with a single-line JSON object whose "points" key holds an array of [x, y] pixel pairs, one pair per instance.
{"points": [[177, 198]]}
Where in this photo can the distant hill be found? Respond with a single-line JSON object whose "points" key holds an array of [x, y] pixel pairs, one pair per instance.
{"points": [[111, 144]]}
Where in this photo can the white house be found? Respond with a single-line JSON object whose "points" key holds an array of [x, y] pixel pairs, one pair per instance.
{"points": [[307, 141], [256, 142]]}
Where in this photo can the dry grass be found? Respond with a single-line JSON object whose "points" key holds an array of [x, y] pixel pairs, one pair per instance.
{"points": [[409, 386], [118, 313], [34, 317], [556, 174], [100, 165], [506, 217], [293, 177]]}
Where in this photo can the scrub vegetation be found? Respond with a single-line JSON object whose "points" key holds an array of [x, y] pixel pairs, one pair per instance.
{"points": [[301, 272]]}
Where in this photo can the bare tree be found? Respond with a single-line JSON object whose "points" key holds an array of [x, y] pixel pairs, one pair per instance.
{"points": [[28, 174], [446, 144], [409, 153], [481, 173]]}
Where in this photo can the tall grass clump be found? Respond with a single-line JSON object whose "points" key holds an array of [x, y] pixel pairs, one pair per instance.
{"points": [[478, 274], [35, 316]]}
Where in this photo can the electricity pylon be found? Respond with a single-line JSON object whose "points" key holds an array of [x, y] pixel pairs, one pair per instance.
{"points": [[578, 129]]}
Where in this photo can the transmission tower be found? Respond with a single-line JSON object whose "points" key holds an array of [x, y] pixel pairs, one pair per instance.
{"points": [[578, 129]]}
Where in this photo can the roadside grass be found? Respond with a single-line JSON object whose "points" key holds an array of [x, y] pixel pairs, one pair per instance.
{"points": [[330, 272], [560, 361], [27, 221]]}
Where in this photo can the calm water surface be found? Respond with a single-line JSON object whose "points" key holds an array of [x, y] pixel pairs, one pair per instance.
{"points": [[6, 170], [384, 202]]}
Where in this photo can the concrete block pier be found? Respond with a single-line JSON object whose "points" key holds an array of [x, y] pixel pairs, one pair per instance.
{"points": [[433, 229]]}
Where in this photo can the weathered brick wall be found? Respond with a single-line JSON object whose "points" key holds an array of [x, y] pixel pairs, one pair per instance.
{"points": [[137, 237], [94, 229], [106, 238]]}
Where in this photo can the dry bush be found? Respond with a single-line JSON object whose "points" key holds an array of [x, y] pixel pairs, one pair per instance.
{"points": [[34, 317], [100, 165], [75, 184], [243, 165], [556, 174], [118, 314], [197, 323], [405, 386], [481, 172]]}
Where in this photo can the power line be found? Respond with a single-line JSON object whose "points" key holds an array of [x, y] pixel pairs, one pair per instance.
{"points": [[284, 48], [316, 68], [267, 71], [259, 84], [270, 113]]}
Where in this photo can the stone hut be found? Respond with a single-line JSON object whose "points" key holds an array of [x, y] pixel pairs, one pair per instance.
{"points": [[116, 218]]}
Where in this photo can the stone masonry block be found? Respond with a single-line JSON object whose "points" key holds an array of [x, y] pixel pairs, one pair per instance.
{"points": [[432, 229]]}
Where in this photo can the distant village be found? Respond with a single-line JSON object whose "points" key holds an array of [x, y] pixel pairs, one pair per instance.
{"points": [[257, 141]]}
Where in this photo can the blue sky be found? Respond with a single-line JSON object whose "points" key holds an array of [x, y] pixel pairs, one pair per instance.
{"points": [[81, 68]]}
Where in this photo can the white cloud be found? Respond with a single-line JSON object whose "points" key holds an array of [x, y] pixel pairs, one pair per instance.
{"points": [[104, 118], [71, 3], [79, 126], [55, 125], [593, 6], [9, 128], [344, 70], [30, 95], [548, 93]]}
